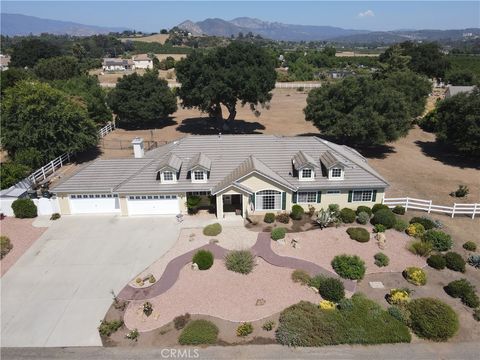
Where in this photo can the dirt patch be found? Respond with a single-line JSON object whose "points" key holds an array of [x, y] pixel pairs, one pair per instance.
{"points": [[159, 38], [22, 235]]}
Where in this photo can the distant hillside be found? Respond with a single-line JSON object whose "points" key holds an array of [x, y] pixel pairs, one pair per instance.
{"points": [[270, 30], [16, 24]]}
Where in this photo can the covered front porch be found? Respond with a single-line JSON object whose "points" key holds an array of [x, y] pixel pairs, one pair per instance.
{"points": [[232, 203]]}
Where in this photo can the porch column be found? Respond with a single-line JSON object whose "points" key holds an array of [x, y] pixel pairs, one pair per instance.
{"points": [[219, 202]]}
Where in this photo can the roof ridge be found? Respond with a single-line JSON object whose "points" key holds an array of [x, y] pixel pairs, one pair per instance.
{"points": [[134, 174]]}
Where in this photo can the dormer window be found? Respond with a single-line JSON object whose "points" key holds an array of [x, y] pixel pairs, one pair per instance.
{"points": [[168, 176], [336, 173], [306, 174], [199, 176]]}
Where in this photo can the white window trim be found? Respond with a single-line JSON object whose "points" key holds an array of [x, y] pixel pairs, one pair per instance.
{"points": [[300, 174], [162, 177], [307, 192], [362, 191], [192, 175], [330, 172], [277, 200]]}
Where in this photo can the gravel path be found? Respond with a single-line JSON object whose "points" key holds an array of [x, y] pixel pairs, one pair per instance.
{"points": [[22, 234]]}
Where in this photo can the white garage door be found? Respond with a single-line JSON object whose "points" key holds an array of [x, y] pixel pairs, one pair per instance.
{"points": [[94, 203], [153, 205]]}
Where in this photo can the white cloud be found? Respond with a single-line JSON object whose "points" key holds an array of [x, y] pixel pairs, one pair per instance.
{"points": [[367, 13]]}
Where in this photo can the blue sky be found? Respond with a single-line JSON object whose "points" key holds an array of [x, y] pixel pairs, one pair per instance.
{"points": [[154, 15]]}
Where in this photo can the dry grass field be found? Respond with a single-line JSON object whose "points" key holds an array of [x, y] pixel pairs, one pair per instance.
{"points": [[109, 78], [160, 38]]}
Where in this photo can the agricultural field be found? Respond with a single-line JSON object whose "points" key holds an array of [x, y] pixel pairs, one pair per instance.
{"points": [[158, 38]]}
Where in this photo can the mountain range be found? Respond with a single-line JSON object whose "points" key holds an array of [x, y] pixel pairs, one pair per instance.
{"points": [[17, 24]]}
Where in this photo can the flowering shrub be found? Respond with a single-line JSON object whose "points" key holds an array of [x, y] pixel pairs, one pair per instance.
{"points": [[415, 230], [398, 296], [327, 305], [244, 329], [415, 276]]}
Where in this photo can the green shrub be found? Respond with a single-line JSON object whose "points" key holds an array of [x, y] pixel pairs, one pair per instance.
{"points": [[381, 259], [297, 212], [349, 266], [437, 261], [55, 216], [425, 221], [420, 248], [133, 335], [474, 260], [241, 261], [269, 218], [440, 241], [204, 259], [332, 289], [470, 246], [416, 230], [199, 332], [399, 210], [192, 203], [377, 207], [300, 276], [347, 215], [5, 246], [384, 217], [415, 276], [212, 229], [363, 218], [345, 304], [365, 209], [316, 280], [400, 313], [283, 218], [454, 261], [107, 328], [379, 228], [400, 225], [180, 321], [278, 233], [334, 210], [432, 319], [361, 322], [24, 209], [358, 233], [464, 290], [476, 314], [268, 325], [244, 329]]}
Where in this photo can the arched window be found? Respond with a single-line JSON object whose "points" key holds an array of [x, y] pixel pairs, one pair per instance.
{"points": [[268, 200]]}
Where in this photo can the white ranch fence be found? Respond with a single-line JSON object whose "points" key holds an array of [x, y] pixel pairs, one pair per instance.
{"points": [[290, 85], [426, 205], [44, 206]]}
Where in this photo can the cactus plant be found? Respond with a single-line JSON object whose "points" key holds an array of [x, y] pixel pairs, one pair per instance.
{"points": [[324, 218]]}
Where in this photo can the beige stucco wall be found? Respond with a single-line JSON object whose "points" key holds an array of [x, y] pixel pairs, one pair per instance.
{"points": [[342, 200], [63, 204], [232, 191], [123, 205]]}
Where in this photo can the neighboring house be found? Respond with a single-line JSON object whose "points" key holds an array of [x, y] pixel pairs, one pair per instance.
{"points": [[244, 174], [116, 64], [454, 90], [4, 61], [142, 61], [340, 74]]}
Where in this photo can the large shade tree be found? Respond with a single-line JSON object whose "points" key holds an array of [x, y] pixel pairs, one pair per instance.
{"points": [[37, 116], [139, 100], [239, 73], [28, 51], [57, 68], [458, 123]]}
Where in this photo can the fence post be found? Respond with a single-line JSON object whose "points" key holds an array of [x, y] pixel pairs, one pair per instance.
{"points": [[453, 210], [406, 205], [43, 172], [430, 207], [474, 210]]}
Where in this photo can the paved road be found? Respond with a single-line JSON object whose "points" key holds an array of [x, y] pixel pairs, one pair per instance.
{"points": [[60, 289], [464, 351]]}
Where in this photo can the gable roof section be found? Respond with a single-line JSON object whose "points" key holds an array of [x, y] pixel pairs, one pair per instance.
{"points": [[301, 159], [200, 160], [329, 159], [172, 161], [250, 166]]}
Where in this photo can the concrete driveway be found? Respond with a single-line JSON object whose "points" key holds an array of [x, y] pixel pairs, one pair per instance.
{"points": [[57, 293]]}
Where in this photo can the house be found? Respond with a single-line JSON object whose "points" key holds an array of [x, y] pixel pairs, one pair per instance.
{"points": [[454, 90], [116, 64], [142, 61], [4, 61], [243, 174]]}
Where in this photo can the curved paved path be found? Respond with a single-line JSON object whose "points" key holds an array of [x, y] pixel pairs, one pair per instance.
{"points": [[261, 249]]}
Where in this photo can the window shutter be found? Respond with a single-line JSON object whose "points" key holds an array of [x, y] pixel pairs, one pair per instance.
{"points": [[284, 200], [294, 197], [319, 197], [350, 194], [374, 196]]}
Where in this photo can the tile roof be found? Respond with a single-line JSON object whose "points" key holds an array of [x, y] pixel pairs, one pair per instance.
{"points": [[454, 90], [201, 160], [172, 161], [231, 156], [300, 160], [329, 159]]}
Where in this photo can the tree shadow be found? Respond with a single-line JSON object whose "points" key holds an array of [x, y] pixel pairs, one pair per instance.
{"points": [[446, 156], [87, 155], [154, 124], [208, 126]]}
